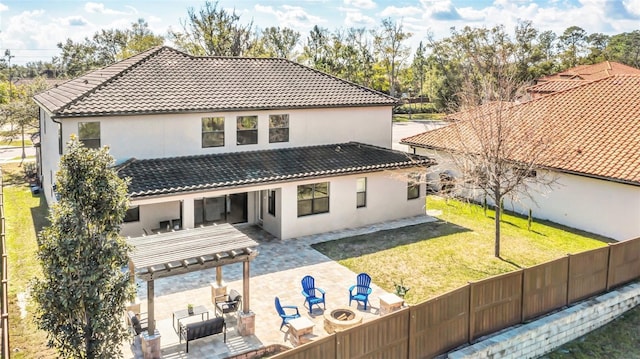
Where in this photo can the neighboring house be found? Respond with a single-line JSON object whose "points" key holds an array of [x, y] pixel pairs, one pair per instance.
{"points": [[594, 134], [577, 76], [208, 140]]}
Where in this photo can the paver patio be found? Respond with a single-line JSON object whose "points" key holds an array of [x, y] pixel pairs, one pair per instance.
{"points": [[277, 271]]}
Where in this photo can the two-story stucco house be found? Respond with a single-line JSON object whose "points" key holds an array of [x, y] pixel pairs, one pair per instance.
{"points": [[208, 140], [593, 132]]}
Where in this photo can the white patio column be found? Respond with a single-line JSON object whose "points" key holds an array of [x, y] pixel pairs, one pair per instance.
{"points": [[187, 213]]}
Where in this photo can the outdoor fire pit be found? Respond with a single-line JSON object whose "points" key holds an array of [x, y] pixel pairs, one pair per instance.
{"points": [[340, 319]]}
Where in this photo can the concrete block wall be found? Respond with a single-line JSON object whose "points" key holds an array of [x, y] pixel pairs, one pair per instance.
{"points": [[536, 338]]}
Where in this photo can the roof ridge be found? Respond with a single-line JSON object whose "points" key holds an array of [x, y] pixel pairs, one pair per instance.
{"points": [[342, 80], [143, 56]]}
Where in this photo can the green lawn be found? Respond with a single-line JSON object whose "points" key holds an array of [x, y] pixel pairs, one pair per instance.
{"points": [[16, 142], [418, 116], [436, 257], [619, 339], [25, 214]]}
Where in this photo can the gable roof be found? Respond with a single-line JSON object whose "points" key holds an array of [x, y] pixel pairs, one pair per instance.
{"points": [[595, 129], [164, 80], [163, 176]]}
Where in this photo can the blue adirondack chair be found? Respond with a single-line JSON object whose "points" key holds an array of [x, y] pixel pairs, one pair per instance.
{"points": [[362, 289], [283, 314], [309, 291]]}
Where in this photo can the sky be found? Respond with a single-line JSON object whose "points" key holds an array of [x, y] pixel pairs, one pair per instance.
{"points": [[31, 29]]}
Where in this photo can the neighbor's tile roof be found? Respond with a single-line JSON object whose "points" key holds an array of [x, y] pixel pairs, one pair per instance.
{"points": [[555, 86], [593, 129], [164, 80], [208, 172], [593, 72]]}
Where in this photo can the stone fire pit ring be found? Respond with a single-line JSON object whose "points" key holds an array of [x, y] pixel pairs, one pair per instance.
{"points": [[339, 319]]}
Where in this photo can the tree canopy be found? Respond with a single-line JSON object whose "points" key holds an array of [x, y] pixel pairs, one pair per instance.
{"points": [[83, 289]]}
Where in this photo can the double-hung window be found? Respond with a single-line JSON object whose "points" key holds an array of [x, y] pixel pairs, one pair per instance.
{"points": [[413, 186], [89, 134], [212, 132], [313, 198], [361, 192], [278, 128], [247, 130]]}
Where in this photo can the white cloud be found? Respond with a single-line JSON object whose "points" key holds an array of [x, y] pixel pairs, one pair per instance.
{"points": [[294, 17], [357, 19], [3, 7], [361, 4], [392, 11], [99, 8], [632, 6]]}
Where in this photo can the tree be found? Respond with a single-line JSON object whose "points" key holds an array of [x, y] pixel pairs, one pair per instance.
{"points": [[389, 47], [419, 69], [497, 151], [277, 42], [106, 47], [317, 50], [83, 290], [21, 112], [625, 48], [213, 31], [572, 45]]}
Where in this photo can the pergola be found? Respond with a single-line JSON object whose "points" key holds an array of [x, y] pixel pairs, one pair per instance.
{"points": [[173, 253]]}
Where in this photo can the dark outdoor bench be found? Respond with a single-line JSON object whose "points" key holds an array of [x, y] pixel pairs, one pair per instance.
{"points": [[197, 330], [136, 324]]}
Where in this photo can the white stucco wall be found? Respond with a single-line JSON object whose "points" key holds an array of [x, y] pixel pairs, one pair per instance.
{"points": [[49, 153], [603, 207], [386, 200], [170, 135]]}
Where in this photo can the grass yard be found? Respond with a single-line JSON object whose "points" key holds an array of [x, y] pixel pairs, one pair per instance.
{"points": [[418, 116], [25, 214], [436, 257], [619, 339]]}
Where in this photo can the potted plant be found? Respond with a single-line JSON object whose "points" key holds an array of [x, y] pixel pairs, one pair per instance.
{"points": [[190, 308], [401, 289]]}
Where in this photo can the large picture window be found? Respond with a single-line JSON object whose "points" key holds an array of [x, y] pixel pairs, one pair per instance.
{"points": [[413, 186], [212, 132], [278, 128], [247, 130], [313, 198], [89, 134], [361, 192]]}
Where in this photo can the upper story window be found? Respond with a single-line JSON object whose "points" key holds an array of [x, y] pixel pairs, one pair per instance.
{"points": [[212, 132], [361, 192], [413, 186], [247, 130], [278, 128], [313, 198], [89, 134]]}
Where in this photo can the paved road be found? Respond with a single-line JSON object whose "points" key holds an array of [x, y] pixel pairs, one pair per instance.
{"points": [[406, 129], [9, 153]]}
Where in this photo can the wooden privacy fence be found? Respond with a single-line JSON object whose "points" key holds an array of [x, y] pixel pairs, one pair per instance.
{"points": [[480, 308]]}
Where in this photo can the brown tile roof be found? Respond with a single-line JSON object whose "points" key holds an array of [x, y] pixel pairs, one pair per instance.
{"points": [[593, 72], [554, 86], [164, 80], [206, 172], [593, 129]]}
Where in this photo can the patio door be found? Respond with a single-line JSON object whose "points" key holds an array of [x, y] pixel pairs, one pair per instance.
{"points": [[223, 209]]}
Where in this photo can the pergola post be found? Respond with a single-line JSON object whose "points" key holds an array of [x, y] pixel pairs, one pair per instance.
{"points": [[150, 306], [219, 276], [245, 286], [150, 339], [246, 318]]}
